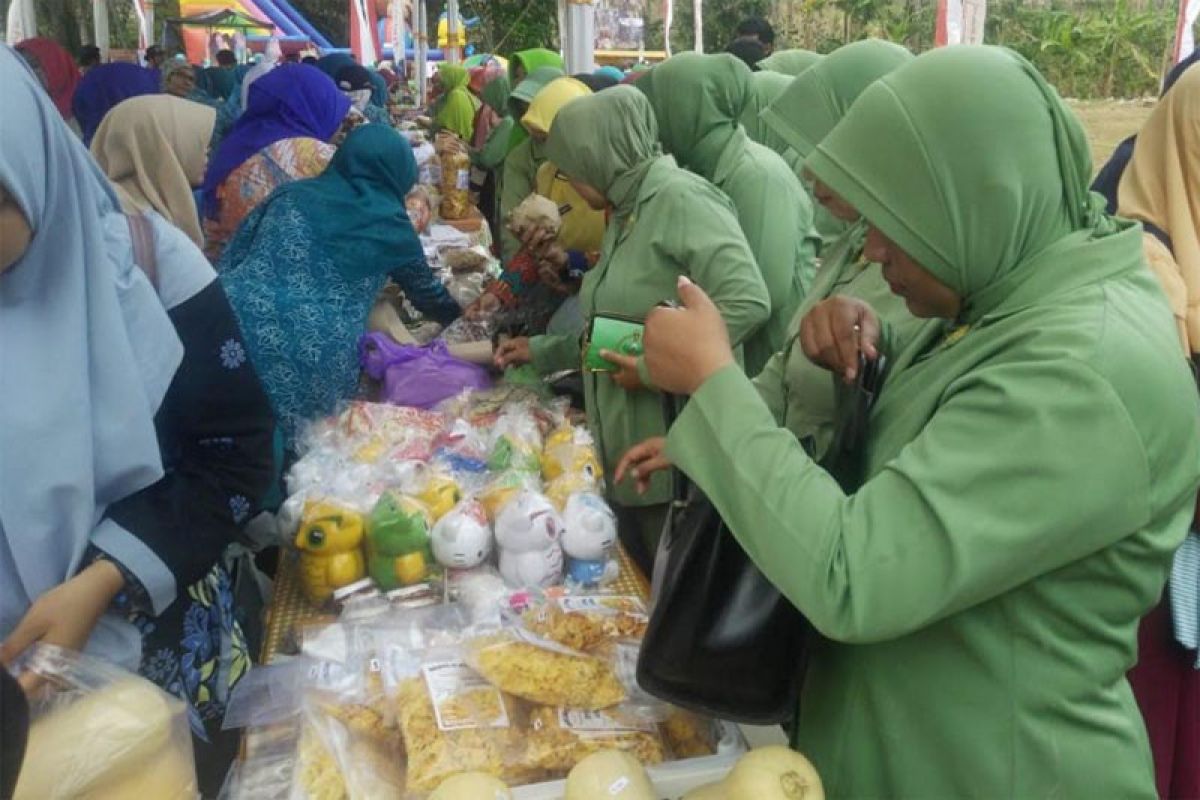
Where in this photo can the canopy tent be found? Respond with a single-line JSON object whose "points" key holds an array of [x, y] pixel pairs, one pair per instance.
{"points": [[225, 18]]}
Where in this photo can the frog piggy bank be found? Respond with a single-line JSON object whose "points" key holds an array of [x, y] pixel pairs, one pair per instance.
{"points": [[330, 542], [398, 552]]}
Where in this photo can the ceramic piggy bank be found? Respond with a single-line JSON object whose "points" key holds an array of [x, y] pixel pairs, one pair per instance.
{"points": [[589, 536], [529, 532], [398, 552], [330, 542], [462, 539]]}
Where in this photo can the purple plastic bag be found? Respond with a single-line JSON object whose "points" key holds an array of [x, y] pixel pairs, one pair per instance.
{"points": [[417, 376]]}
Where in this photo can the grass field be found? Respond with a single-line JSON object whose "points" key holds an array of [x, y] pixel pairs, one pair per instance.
{"points": [[1108, 122]]}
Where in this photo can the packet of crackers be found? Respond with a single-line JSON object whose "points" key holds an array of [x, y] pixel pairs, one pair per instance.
{"points": [[544, 672], [581, 622], [452, 721], [562, 737]]}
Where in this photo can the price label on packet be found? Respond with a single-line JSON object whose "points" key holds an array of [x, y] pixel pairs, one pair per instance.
{"points": [[582, 721], [462, 699], [603, 604]]}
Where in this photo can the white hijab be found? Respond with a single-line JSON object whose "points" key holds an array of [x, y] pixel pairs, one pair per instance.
{"points": [[87, 352]]}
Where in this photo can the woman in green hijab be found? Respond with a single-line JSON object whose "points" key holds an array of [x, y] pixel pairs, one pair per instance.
{"points": [[524, 155], [790, 62], [808, 109], [664, 222], [1028, 473], [699, 100], [456, 112], [765, 88], [523, 63], [493, 126]]}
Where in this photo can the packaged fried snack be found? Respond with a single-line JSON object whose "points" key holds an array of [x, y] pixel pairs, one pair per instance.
{"points": [[317, 776], [585, 622], [542, 672], [688, 735], [454, 722], [562, 737]]}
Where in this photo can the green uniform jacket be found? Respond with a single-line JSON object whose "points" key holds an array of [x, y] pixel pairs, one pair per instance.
{"points": [[699, 101], [517, 183], [800, 394], [680, 225], [1029, 474]]}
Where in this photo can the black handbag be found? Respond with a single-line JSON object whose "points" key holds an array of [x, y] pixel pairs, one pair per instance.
{"points": [[722, 640]]}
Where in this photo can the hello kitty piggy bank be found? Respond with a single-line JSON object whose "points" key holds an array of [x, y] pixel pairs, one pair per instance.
{"points": [[589, 536], [462, 540], [528, 531]]}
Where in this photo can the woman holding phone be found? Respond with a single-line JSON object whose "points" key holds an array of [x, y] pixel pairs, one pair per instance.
{"points": [[664, 223]]}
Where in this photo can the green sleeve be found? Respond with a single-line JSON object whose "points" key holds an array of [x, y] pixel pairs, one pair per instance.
{"points": [[520, 172], [555, 353], [494, 150], [711, 249], [769, 385], [996, 490]]}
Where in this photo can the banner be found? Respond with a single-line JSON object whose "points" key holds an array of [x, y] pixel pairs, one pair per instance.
{"points": [[620, 25], [1185, 41], [21, 23], [364, 32], [960, 22]]}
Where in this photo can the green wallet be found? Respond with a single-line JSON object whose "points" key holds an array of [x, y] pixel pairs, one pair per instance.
{"points": [[617, 334]]}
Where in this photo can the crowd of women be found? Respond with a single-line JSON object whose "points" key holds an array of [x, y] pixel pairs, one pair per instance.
{"points": [[183, 283]]}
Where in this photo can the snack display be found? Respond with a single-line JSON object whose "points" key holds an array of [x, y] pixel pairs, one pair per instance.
{"points": [[544, 673], [461, 637], [456, 184]]}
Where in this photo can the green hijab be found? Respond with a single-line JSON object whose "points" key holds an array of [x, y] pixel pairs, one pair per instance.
{"points": [[814, 102], [790, 62], [523, 93], [456, 112], [698, 100], [608, 140], [533, 59], [989, 193], [765, 87], [495, 94]]}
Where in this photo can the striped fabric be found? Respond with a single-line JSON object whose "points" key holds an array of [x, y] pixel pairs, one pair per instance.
{"points": [[1185, 594]]}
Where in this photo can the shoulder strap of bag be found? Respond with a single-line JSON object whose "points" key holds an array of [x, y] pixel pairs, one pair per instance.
{"points": [[142, 236]]}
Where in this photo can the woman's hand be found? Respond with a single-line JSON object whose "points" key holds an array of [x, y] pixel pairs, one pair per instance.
{"points": [[484, 307], [66, 615], [836, 330], [685, 346], [536, 240], [626, 375], [642, 461], [513, 352]]}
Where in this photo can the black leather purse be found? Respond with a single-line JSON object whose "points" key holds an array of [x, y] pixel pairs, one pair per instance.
{"points": [[722, 640]]}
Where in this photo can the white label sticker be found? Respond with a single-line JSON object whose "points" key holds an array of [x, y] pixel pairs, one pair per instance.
{"points": [[602, 604], [581, 721], [462, 698], [463, 179], [618, 786]]}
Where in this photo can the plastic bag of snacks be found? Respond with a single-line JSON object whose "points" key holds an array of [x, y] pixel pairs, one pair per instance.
{"points": [[99, 731], [562, 737], [456, 184], [454, 721], [543, 672], [584, 622]]}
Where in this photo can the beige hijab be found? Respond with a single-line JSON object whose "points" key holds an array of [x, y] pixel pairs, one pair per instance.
{"points": [[154, 148], [1162, 186]]}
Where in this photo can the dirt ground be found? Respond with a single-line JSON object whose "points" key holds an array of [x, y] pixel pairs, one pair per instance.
{"points": [[1108, 122]]}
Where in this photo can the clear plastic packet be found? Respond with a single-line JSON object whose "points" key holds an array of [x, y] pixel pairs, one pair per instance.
{"points": [[503, 487], [516, 441], [543, 672], [453, 721], [562, 737], [267, 765], [98, 731], [581, 622], [461, 449], [688, 735], [369, 765], [571, 449], [316, 774], [274, 694]]}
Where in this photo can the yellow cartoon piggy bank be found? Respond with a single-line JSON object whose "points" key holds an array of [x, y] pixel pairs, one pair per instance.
{"points": [[440, 495], [330, 542], [570, 450]]}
